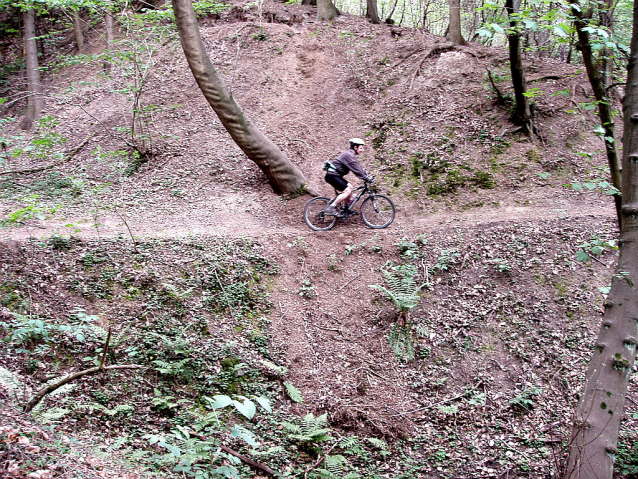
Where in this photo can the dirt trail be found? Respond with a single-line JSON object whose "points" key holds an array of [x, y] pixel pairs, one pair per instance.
{"points": [[236, 221]]}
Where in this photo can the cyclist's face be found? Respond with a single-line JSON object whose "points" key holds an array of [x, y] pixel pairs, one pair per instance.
{"points": [[358, 149]]}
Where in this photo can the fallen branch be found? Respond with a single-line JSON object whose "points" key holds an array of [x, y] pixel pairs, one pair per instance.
{"points": [[250, 462], [71, 154], [49, 389], [52, 387]]}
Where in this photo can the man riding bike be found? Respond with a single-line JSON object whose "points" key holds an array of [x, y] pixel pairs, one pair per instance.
{"points": [[341, 166]]}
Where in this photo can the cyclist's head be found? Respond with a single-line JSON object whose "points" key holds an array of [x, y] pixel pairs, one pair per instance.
{"points": [[356, 142]]}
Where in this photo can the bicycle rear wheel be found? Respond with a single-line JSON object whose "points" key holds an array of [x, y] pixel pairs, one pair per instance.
{"points": [[314, 216], [377, 211]]}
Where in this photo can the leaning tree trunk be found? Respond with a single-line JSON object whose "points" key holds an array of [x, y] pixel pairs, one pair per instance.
{"points": [[595, 435], [523, 110], [605, 112], [388, 19], [285, 177], [454, 30], [326, 10], [77, 30], [35, 102], [372, 12]]}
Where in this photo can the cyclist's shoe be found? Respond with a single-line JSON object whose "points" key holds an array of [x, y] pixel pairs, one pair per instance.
{"points": [[331, 210], [347, 214]]}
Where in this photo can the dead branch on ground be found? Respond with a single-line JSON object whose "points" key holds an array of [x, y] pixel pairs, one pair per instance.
{"points": [[70, 155], [52, 387]]}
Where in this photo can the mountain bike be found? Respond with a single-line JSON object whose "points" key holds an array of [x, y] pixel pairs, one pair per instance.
{"points": [[377, 211]]}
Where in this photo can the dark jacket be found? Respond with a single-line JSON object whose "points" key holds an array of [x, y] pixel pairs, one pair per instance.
{"points": [[347, 162]]}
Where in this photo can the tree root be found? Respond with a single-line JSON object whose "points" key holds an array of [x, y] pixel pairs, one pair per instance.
{"points": [[445, 47]]}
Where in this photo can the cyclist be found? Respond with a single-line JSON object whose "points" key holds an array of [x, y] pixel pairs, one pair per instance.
{"points": [[341, 166]]}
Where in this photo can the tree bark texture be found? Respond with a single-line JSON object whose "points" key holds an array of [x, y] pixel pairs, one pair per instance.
{"points": [[326, 11], [597, 83], [372, 11], [35, 102], [77, 30], [454, 29], [285, 176], [108, 25], [523, 110], [595, 435], [606, 18]]}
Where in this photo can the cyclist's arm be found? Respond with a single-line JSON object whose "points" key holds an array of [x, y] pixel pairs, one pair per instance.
{"points": [[356, 168]]}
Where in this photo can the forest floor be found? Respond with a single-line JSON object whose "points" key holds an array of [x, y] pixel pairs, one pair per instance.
{"points": [[481, 381]]}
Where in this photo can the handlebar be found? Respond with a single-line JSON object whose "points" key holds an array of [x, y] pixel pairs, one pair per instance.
{"points": [[369, 179]]}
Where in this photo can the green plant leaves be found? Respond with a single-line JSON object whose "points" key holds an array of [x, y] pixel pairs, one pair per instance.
{"points": [[293, 393], [247, 408]]}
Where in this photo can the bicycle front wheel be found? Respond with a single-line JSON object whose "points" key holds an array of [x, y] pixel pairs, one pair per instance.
{"points": [[377, 211], [314, 216]]}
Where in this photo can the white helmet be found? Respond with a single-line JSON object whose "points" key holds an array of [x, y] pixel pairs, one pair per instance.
{"points": [[356, 142]]}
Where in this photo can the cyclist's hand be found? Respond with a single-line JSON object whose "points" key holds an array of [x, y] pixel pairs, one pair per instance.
{"points": [[369, 179]]}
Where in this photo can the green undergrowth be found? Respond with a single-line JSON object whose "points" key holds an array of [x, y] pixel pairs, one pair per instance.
{"points": [[440, 166], [487, 321], [193, 312]]}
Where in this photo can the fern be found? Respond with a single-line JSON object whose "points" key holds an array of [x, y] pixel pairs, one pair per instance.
{"points": [[274, 369], [312, 429], [335, 464], [293, 393], [400, 341], [176, 346], [125, 409], [378, 443], [403, 289], [52, 414], [175, 368], [271, 451], [118, 443], [349, 442], [175, 293], [9, 380]]}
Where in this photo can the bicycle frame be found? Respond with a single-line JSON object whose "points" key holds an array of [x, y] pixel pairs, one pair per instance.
{"points": [[362, 189]]}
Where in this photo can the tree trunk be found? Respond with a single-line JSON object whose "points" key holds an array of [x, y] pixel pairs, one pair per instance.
{"points": [[108, 25], [595, 435], [604, 107], [326, 10], [35, 102], [388, 19], [523, 110], [285, 177], [372, 12], [77, 30], [454, 30], [607, 21]]}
